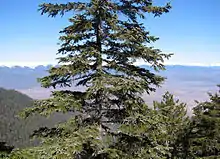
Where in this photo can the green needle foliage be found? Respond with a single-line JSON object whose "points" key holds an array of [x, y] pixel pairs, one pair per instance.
{"points": [[98, 51], [173, 115], [205, 130]]}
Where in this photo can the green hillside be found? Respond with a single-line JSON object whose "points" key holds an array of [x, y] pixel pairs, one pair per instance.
{"points": [[15, 131], [12, 129]]}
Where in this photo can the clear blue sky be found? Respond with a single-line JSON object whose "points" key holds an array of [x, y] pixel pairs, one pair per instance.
{"points": [[191, 31]]}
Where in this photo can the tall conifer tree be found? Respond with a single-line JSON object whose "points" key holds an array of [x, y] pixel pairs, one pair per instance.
{"points": [[173, 115], [98, 51], [204, 137]]}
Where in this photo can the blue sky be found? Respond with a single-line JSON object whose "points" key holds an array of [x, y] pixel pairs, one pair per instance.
{"points": [[191, 31]]}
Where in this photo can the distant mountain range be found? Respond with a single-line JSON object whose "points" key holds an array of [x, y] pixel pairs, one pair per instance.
{"points": [[17, 77], [186, 82]]}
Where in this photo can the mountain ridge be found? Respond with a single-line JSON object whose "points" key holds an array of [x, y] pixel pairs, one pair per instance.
{"points": [[44, 65], [188, 83]]}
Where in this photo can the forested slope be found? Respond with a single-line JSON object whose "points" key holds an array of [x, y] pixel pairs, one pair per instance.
{"points": [[13, 130]]}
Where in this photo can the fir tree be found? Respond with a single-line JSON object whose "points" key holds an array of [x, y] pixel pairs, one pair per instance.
{"points": [[204, 136], [173, 115], [98, 51]]}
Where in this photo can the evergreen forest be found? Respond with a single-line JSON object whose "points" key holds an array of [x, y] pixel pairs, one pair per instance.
{"points": [[109, 119]]}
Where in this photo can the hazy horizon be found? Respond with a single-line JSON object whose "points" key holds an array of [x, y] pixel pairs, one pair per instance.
{"points": [[35, 64]]}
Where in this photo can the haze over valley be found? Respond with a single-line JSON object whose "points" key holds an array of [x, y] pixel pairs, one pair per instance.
{"points": [[187, 83]]}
